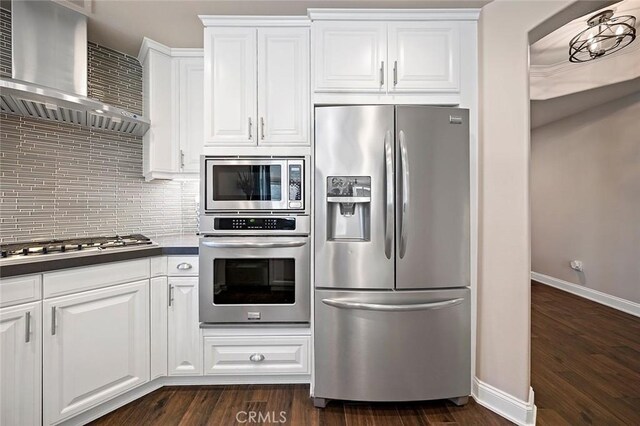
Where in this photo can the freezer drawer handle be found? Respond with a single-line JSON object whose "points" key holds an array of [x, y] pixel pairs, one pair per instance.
{"points": [[256, 358], [232, 244], [391, 308]]}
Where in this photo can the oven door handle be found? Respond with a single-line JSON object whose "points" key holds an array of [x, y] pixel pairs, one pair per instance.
{"points": [[239, 244]]}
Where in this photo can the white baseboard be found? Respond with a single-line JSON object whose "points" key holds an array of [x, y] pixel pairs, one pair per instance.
{"points": [[506, 405], [614, 302]]}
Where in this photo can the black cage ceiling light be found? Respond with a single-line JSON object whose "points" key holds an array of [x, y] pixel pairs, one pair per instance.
{"points": [[606, 34]]}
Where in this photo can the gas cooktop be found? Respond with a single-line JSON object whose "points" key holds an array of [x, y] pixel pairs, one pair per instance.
{"points": [[50, 249]]}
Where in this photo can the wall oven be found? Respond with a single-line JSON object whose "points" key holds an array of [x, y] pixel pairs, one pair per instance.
{"points": [[254, 246], [254, 279], [253, 184]]}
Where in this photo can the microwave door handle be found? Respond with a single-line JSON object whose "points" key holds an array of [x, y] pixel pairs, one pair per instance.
{"points": [[236, 244], [388, 226], [344, 304]]}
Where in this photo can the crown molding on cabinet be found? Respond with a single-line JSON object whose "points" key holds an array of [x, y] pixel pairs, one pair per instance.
{"points": [[394, 14], [148, 44], [254, 21]]}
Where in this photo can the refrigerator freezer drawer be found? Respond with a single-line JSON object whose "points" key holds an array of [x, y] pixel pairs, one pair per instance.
{"points": [[392, 346]]}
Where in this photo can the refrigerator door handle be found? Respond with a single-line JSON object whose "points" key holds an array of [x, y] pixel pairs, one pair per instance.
{"points": [[404, 222], [388, 226], [337, 303]]}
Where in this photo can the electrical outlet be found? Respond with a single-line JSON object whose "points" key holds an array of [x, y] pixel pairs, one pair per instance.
{"points": [[576, 265]]}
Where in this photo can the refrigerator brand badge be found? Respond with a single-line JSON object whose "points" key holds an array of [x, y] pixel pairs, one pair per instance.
{"points": [[453, 119]]}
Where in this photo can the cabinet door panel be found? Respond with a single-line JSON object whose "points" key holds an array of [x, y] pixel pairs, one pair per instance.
{"points": [[159, 301], [230, 86], [349, 56], [424, 57], [20, 369], [185, 354], [191, 102], [283, 85], [96, 347]]}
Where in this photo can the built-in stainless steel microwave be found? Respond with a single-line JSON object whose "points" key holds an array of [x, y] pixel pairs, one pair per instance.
{"points": [[253, 184]]}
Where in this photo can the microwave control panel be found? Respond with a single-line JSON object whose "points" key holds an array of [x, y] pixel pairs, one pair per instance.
{"points": [[295, 184], [251, 223]]}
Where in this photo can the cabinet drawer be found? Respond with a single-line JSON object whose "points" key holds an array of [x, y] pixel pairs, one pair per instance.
{"points": [[182, 266], [23, 289], [256, 355], [74, 280]]}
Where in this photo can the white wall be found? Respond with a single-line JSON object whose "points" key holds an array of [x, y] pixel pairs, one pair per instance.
{"points": [[585, 198], [503, 340]]}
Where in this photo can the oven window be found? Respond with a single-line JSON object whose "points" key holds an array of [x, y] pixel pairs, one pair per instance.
{"points": [[247, 183], [254, 281]]}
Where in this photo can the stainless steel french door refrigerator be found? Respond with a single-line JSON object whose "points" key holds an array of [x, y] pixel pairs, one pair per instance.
{"points": [[392, 308]]}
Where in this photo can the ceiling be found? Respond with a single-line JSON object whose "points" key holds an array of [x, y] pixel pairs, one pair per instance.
{"points": [[554, 48], [547, 111], [121, 24]]}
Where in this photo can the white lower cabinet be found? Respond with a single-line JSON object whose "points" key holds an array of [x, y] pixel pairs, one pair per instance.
{"points": [[184, 341], [96, 346], [159, 290], [256, 355], [21, 364]]}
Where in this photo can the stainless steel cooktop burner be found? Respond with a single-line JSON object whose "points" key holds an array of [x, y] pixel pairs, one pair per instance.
{"points": [[39, 248]]}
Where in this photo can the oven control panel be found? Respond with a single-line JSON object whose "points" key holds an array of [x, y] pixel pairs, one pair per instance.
{"points": [[251, 223]]}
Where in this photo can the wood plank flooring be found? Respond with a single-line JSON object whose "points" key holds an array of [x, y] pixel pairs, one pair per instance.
{"points": [[585, 370], [219, 406], [585, 361]]}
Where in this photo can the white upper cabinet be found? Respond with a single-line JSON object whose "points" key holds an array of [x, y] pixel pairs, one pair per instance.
{"points": [[21, 364], [256, 82], [393, 56], [283, 85], [424, 56], [160, 150], [96, 346], [230, 110], [190, 112], [350, 56], [173, 81]]}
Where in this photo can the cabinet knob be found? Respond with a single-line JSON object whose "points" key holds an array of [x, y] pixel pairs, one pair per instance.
{"points": [[184, 266], [256, 358]]}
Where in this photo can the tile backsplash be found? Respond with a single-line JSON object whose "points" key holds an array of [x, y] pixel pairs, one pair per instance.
{"points": [[59, 180]]}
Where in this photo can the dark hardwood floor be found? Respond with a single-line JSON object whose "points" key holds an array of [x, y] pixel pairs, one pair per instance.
{"points": [[585, 361], [585, 370], [219, 405]]}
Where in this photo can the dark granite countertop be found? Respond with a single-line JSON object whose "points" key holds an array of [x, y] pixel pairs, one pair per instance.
{"points": [[171, 245]]}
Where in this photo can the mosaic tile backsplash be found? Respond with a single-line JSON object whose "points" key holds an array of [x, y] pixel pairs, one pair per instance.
{"points": [[59, 180]]}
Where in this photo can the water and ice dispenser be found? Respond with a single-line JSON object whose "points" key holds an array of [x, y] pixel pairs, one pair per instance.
{"points": [[349, 208]]}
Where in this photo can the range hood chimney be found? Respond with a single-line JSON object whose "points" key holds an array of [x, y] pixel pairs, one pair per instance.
{"points": [[49, 70]]}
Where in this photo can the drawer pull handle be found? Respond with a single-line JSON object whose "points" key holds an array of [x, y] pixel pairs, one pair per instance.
{"points": [[184, 266], [256, 358]]}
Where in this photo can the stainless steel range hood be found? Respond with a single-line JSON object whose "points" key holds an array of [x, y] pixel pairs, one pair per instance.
{"points": [[49, 70]]}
